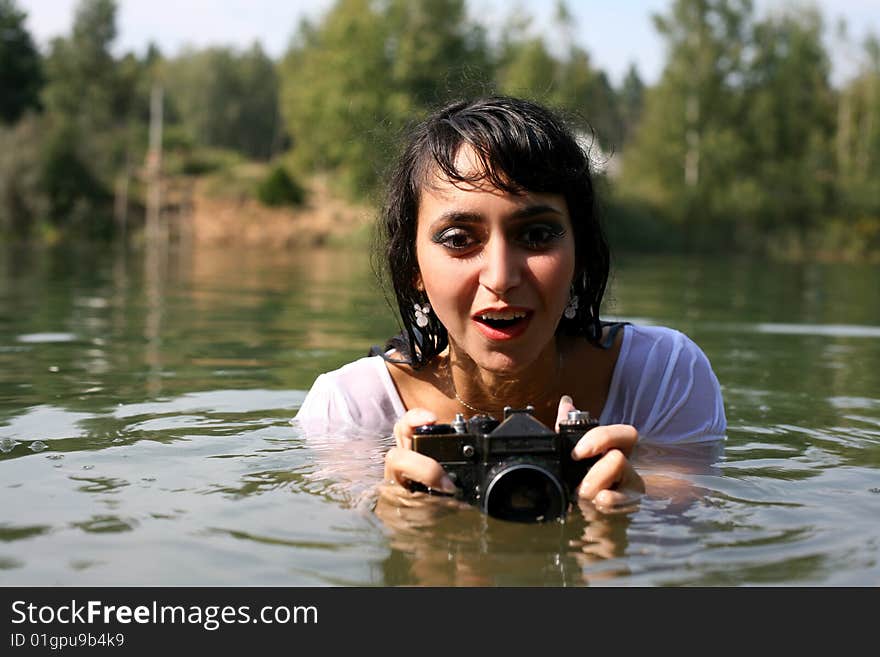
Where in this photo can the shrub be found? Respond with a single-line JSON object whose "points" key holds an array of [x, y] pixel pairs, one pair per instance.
{"points": [[22, 200], [278, 188]]}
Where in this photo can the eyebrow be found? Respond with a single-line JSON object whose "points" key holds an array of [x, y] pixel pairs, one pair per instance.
{"points": [[458, 216]]}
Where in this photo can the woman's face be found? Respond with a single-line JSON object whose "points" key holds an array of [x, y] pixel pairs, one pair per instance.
{"points": [[497, 267]]}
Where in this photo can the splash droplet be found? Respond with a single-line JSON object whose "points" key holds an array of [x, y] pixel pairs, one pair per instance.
{"points": [[7, 444]]}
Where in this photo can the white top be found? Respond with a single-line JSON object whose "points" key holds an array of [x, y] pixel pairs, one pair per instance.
{"points": [[662, 384]]}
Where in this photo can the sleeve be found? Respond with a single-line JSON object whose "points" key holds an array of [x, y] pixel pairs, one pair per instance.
{"points": [[679, 393], [347, 458], [354, 399], [324, 407]]}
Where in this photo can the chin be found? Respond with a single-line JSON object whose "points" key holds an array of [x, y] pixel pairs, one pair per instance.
{"points": [[505, 363], [504, 359]]}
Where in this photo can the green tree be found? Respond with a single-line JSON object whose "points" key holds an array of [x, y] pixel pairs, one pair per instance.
{"points": [[568, 81], [528, 69], [586, 91], [857, 146], [88, 103], [435, 52], [22, 202], [631, 100], [353, 80], [226, 99], [855, 230], [81, 70], [337, 98], [77, 200], [687, 152], [790, 124], [21, 76]]}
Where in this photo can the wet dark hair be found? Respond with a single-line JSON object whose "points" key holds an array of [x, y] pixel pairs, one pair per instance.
{"points": [[521, 146]]}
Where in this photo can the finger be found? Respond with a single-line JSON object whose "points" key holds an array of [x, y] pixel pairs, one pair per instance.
{"points": [[615, 499], [604, 438], [566, 404], [419, 507], [606, 474], [403, 466], [403, 428]]}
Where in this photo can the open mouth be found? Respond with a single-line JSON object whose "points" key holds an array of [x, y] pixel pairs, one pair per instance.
{"points": [[502, 324]]}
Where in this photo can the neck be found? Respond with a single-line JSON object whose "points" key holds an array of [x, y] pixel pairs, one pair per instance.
{"points": [[479, 390]]}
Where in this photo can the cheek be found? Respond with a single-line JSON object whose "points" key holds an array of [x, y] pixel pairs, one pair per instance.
{"points": [[553, 275], [450, 290]]}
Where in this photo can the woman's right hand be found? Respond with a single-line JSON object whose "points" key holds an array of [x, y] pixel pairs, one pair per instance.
{"points": [[404, 466]]}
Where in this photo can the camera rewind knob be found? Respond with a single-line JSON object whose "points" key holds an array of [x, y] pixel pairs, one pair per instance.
{"points": [[579, 417]]}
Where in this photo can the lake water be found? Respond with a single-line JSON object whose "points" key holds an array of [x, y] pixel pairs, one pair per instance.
{"points": [[145, 435]]}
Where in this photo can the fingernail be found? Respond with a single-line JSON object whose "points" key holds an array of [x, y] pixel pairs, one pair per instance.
{"points": [[425, 416], [447, 486], [566, 400]]}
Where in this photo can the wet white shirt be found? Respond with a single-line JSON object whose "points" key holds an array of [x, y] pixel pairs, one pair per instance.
{"points": [[662, 384]]}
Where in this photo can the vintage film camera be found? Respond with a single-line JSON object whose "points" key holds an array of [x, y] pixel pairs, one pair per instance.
{"points": [[516, 469]]}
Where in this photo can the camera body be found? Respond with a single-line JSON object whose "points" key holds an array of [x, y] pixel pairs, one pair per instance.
{"points": [[517, 469]]}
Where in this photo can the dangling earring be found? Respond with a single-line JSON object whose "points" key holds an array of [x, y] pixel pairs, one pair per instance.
{"points": [[422, 313], [572, 307]]}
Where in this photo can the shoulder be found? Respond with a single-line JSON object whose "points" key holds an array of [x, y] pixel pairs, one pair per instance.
{"points": [[664, 384], [359, 394], [658, 339], [653, 348]]}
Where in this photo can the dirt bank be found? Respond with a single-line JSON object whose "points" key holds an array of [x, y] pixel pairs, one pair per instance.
{"points": [[241, 221]]}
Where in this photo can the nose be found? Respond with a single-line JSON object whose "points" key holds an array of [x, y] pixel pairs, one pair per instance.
{"points": [[502, 267]]}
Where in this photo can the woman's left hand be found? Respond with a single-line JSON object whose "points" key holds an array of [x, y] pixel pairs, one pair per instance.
{"points": [[611, 482]]}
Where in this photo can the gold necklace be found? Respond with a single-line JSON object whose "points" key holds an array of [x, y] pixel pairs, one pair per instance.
{"points": [[461, 401], [480, 411]]}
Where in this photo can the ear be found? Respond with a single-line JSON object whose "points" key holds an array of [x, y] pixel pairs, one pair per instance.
{"points": [[417, 282]]}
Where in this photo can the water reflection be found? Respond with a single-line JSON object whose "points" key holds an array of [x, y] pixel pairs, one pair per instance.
{"points": [[439, 541], [436, 542], [145, 436]]}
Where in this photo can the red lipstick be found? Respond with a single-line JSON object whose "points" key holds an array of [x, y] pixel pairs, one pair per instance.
{"points": [[500, 324]]}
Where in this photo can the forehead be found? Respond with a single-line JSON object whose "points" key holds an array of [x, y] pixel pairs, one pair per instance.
{"points": [[468, 161], [468, 173], [475, 187]]}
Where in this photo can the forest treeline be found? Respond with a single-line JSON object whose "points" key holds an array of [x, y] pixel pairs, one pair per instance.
{"points": [[742, 144]]}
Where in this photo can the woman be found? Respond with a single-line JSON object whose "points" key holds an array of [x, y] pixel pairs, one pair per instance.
{"points": [[499, 264]]}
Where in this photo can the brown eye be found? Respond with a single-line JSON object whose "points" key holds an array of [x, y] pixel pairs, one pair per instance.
{"points": [[540, 236], [455, 239]]}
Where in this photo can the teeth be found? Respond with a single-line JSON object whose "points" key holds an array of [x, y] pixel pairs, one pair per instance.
{"points": [[504, 314]]}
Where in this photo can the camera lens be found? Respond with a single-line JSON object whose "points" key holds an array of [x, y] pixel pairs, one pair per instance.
{"points": [[524, 492]]}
